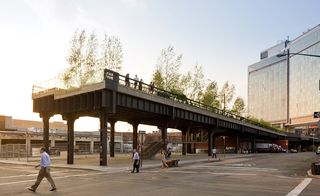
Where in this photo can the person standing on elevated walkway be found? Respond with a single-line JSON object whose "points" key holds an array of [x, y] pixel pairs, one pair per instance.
{"points": [[127, 80], [136, 80], [140, 84]]}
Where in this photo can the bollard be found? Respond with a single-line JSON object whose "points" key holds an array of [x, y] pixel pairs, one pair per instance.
{"points": [[315, 168]]}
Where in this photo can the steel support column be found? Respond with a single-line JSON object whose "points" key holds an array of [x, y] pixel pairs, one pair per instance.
{"points": [[184, 142], [188, 141], [70, 122], [164, 136], [112, 123], [237, 144], [45, 120], [210, 133], [135, 135], [213, 139], [253, 144], [103, 138]]}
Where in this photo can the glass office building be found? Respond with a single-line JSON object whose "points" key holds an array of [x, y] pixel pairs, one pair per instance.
{"points": [[285, 90]]}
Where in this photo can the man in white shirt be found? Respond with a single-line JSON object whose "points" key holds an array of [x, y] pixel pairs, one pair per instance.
{"points": [[136, 159], [44, 171], [214, 153], [136, 80]]}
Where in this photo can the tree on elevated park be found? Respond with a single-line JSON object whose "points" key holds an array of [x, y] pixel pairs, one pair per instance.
{"points": [[226, 95], [192, 84], [238, 106], [167, 74], [210, 95], [86, 66], [264, 123]]}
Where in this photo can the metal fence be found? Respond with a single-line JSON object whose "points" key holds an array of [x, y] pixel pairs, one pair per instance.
{"points": [[13, 151]]}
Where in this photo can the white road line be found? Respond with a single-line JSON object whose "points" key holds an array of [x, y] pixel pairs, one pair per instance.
{"points": [[236, 168], [28, 175], [17, 182], [212, 173], [60, 177], [296, 191], [18, 176]]}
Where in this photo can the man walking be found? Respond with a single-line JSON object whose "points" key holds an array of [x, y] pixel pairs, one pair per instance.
{"points": [[136, 162], [44, 171], [214, 153]]}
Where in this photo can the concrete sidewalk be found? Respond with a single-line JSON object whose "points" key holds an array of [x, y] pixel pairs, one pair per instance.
{"points": [[121, 162]]}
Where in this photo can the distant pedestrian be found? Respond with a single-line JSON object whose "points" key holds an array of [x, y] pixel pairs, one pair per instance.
{"points": [[136, 80], [136, 161], [127, 82], [151, 87], [169, 153], [214, 153], [163, 159], [140, 84], [44, 171]]}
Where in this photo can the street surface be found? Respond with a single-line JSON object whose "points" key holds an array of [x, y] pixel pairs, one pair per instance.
{"points": [[260, 174]]}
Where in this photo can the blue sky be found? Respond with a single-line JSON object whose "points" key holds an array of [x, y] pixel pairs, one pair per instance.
{"points": [[223, 36]]}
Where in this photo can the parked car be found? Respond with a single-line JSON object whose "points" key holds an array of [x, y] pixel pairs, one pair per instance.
{"points": [[293, 150], [318, 150], [282, 149]]}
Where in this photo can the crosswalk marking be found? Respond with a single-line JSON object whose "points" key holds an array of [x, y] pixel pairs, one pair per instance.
{"points": [[59, 177], [199, 172], [241, 168], [298, 189]]}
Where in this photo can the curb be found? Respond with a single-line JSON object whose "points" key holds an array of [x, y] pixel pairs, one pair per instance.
{"points": [[108, 168], [309, 174]]}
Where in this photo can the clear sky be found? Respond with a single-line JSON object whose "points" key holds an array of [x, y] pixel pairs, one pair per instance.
{"points": [[223, 36]]}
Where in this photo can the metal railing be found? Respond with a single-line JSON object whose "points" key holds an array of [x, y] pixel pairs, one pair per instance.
{"points": [[150, 89], [57, 84]]}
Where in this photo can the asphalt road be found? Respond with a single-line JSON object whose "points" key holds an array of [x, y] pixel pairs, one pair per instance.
{"points": [[263, 175]]}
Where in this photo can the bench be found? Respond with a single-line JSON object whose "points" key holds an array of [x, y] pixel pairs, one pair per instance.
{"points": [[173, 162]]}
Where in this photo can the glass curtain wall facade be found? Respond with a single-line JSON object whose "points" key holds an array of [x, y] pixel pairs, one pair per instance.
{"points": [[268, 81], [267, 97]]}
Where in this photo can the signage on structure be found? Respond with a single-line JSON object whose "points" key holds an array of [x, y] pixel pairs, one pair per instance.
{"points": [[316, 114]]}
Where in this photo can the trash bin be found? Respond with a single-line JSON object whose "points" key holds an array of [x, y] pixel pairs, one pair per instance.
{"points": [[315, 168]]}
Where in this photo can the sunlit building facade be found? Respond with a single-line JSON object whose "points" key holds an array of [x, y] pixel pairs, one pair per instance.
{"points": [[286, 90]]}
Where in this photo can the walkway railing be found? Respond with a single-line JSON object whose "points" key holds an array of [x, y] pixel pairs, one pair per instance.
{"points": [[149, 88]]}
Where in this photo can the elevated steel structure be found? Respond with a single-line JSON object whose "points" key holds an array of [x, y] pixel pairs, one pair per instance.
{"points": [[116, 98]]}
